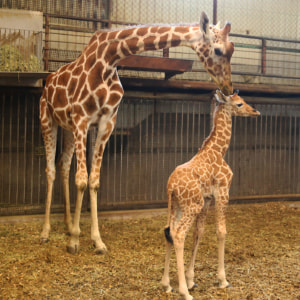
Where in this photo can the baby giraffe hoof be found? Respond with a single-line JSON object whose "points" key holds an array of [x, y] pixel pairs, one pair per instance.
{"points": [[193, 287], [168, 289], [73, 249]]}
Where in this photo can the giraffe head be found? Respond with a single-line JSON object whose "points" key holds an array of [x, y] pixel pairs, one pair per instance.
{"points": [[215, 52], [236, 105]]}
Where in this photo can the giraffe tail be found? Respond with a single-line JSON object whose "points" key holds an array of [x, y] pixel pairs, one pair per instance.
{"points": [[167, 228]]}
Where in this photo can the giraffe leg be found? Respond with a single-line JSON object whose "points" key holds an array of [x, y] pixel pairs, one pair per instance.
{"points": [[81, 181], [221, 205], [198, 233], [64, 165], [105, 128], [178, 233], [49, 131]]}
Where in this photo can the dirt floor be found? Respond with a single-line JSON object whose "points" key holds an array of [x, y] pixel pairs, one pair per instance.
{"points": [[262, 257]]}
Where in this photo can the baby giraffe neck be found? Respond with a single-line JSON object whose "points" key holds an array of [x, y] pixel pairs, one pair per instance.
{"points": [[220, 135]]}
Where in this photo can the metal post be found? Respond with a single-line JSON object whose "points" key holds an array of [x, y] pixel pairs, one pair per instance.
{"points": [[215, 6], [263, 56], [46, 49]]}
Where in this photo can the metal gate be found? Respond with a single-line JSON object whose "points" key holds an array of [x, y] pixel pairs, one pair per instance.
{"points": [[152, 136]]}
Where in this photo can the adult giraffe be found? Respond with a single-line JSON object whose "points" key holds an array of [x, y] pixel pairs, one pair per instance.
{"points": [[88, 92]]}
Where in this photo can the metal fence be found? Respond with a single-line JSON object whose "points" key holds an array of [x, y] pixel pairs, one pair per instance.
{"points": [[151, 138], [266, 48]]}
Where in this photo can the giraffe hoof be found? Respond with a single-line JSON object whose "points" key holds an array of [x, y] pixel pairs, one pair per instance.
{"points": [[193, 287], [73, 250], [228, 286], [44, 240], [101, 250], [100, 247]]}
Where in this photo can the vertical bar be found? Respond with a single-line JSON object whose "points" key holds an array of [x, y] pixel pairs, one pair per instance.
{"points": [[215, 11], [289, 148], [255, 152], [263, 55], [187, 131], [271, 159], [10, 150], [47, 34], [275, 142], [164, 149], [152, 152], [18, 150], [294, 155], [32, 152], [181, 134], [193, 128], [121, 151], [140, 145], [175, 139], [2, 143], [115, 165], [157, 143], [265, 150]]}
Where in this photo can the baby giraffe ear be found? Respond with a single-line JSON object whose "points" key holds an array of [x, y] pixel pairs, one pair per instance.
{"points": [[220, 97], [204, 24]]}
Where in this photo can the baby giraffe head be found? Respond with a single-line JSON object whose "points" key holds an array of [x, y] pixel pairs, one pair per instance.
{"points": [[236, 105]]}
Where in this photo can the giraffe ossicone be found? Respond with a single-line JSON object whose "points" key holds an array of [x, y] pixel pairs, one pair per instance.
{"points": [[191, 188], [88, 92]]}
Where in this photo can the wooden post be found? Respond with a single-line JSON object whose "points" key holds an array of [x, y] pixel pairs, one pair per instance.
{"points": [[46, 49]]}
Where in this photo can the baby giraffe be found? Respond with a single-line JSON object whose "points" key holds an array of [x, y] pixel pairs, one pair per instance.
{"points": [[193, 185]]}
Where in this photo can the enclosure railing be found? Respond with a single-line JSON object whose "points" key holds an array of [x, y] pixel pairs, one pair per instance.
{"points": [[20, 50]]}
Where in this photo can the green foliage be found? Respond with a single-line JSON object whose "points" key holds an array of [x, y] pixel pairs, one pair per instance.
{"points": [[11, 60]]}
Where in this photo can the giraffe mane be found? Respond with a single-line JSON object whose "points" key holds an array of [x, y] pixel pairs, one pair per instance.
{"points": [[194, 24]]}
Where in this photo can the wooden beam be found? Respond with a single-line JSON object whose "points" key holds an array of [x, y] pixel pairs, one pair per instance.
{"points": [[170, 66]]}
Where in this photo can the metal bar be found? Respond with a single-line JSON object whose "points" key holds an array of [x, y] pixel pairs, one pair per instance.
{"points": [[18, 150], [32, 152], [47, 43], [263, 56], [10, 151], [2, 144]]}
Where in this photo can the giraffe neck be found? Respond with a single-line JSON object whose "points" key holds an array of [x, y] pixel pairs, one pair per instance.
{"points": [[115, 45], [219, 138]]}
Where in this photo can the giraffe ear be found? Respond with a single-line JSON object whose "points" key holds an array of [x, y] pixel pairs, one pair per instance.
{"points": [[220, 97], [226, 29], [204, 23]]}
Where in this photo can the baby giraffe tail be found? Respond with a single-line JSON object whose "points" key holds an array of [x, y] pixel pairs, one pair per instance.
{"points": [[167, 228]]}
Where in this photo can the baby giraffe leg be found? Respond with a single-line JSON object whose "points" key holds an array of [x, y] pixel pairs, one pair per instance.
{"points": [[179, 234], [198, 233], [221, 204], [166, 277]]}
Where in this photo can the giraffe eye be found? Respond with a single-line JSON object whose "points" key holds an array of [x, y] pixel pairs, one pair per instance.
{"points": [[239, 104], [218, 52]]}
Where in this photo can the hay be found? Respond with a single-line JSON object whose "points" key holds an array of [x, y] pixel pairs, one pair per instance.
{"points": [[262, 258], [11, 60]]}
